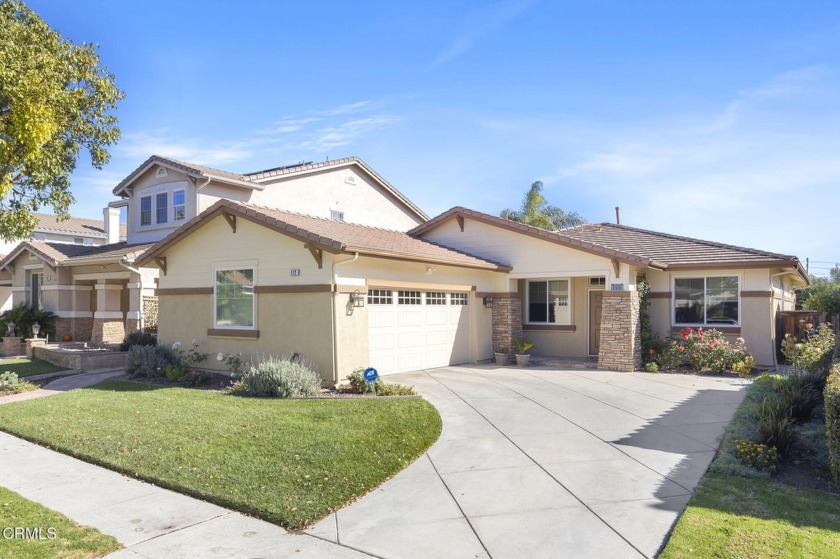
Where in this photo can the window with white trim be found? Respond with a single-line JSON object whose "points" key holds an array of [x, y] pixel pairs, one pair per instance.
{"points": [[598, 282], [409, 298], [709, 300], [380, 297], [145, 210], [161, 207], [458, 299], [233, 295], [435, 298], [179, 205], [336, 215], [548, 302]]}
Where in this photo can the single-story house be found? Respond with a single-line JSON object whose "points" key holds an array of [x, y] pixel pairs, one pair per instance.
{"points": [[253, 279]]}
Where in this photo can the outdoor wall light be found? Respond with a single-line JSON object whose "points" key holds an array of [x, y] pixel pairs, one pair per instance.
{"points": [[357, 299], [36, 328], [488, 302]]}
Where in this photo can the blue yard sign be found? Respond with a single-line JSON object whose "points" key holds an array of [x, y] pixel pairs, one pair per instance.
{"points": [[371, 374]]}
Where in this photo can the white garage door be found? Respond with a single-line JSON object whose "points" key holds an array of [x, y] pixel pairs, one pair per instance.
{"points": [[413, 330]]}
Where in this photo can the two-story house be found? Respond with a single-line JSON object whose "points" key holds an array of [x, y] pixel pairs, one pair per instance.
{"points": [[99, 294]]}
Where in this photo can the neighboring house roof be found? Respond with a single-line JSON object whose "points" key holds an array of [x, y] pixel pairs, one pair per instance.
{"points": [[73, 225], [254, 180], [63, 254], [330, 235], [635, 246]]}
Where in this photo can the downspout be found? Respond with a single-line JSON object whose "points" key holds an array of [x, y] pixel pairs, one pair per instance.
{"points": [[124, 263], [197, 188], [773, 313], [332, 309]]}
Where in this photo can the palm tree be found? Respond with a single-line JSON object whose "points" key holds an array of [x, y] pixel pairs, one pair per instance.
{"points": [[537, 212]]}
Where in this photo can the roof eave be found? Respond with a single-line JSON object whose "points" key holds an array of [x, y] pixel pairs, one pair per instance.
{"points": [[490, 267]]}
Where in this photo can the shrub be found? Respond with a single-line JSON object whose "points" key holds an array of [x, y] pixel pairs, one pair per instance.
{"points": [[670, 355], [813, 352], [174, 373], [745, 366], [24, 317], [651, 367], [702, 350], [189, 357], [775, 425], [149, 361], [11, 384], [523, 346], [137, 338], [757, 455], [234, 362], [363, 386], [799, 394], [832, 420], [281, 377]]}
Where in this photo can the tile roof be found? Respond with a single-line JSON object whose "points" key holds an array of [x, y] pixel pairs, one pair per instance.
{"points": [[632, 245], [257, 176], [57, 254], [332, 236], [49, 222]]}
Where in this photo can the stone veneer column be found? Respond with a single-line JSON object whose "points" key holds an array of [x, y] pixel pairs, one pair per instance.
{"points": [[108, 325], [507, 321], [621, 343], [12, 346]]}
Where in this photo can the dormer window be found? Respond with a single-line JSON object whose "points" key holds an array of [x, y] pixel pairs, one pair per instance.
{"points": [[179, 205], [161, 207], [336, 215], [146, 210]]}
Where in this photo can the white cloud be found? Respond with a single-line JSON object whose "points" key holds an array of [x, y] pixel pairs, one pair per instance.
{"points": [[479, 24], [170, 144]]}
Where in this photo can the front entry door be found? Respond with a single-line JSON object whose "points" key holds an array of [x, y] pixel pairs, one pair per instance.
{"points": [[596, 299]]}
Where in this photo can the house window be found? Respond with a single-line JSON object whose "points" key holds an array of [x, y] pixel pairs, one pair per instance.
{"points": [[706, 300], [179, 205], [548, 302], [234, 298], [409, 298], [380, 297], [36, 293], [161, 207], [146, 210], [336, 215], [435, 298], [78, 241], [458, 299], [598, 282]]}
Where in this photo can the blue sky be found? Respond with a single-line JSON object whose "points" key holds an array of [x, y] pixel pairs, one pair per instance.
{"points": [[719, 120]]}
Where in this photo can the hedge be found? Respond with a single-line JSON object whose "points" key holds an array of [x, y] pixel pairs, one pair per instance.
{"points": [[832, 420]]}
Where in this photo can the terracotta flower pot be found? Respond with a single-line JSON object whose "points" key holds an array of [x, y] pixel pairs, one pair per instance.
{"points": [[66, 338]]}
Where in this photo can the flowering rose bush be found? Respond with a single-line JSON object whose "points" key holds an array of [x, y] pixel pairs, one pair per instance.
{"points": [[702, 350]]}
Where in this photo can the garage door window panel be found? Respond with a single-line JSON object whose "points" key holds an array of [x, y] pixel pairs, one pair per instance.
{"points": [[409, 298]]}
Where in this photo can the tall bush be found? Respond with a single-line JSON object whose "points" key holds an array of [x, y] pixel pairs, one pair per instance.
{"points": [[150, 361], [24, 317], [832, 420], [282, 377]]}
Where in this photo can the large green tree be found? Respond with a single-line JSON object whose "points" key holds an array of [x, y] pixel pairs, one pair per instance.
{"points": [[536, 211], [822, 295], [55, 100]]}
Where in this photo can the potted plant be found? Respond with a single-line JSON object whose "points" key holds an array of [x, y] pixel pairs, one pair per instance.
{"points": [[523, 348], [500, 356]]}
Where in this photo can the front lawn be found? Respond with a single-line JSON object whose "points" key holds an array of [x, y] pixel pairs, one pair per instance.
{"points": [[50, 534], [738, 512], [290, 462], [26, 367]]}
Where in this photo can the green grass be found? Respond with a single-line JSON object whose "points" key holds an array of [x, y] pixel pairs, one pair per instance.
{"points": [[739, 518], [71, 541], [25, 367], [740, 513], [290, 462]]}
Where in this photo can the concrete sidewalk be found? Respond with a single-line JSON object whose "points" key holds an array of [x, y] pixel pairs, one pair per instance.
{"points": [[63, 384], [150, 522]]}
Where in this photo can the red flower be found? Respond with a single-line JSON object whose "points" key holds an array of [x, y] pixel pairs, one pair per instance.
{"points": [[652, 351], [694, 356], [681, 349], [809, 325]]}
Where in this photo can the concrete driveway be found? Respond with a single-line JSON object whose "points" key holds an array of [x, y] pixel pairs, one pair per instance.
{"points": [[545, 463]]}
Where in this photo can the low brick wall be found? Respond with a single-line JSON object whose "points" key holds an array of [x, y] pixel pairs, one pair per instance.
{"points": [[81, 360], [12, 347]]}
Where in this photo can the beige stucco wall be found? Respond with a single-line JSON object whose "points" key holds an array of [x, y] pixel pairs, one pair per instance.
{"points": [[346, 189], [288, 322]]}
